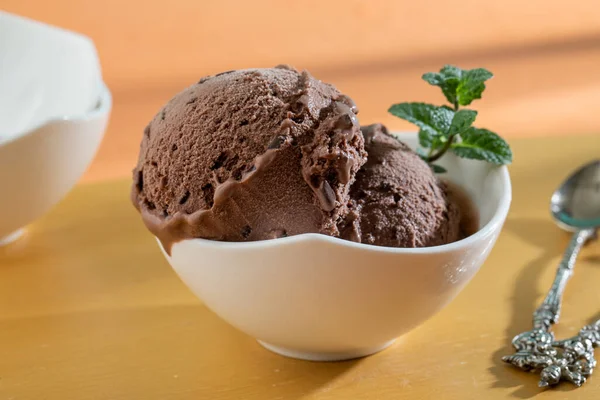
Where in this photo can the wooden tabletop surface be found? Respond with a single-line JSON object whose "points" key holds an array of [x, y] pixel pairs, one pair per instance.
{"points": [[89, 309]]}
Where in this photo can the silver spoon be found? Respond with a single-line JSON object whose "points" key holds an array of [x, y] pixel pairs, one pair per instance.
{"points": [[575, 206]]}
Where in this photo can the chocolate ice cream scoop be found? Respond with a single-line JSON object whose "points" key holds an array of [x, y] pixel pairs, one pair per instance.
{"points": [[396, 199], [249, 155]]}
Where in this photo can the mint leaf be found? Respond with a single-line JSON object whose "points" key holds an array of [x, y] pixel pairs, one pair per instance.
{"points": [[433, 121], [438, 169], [425, 138], [471, 85], [448, 75], [447, 79], [459, 86], [461, 121], [482, 144]]}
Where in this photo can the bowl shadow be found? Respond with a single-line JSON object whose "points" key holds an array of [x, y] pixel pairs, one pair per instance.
{"points": [[540, 233]]}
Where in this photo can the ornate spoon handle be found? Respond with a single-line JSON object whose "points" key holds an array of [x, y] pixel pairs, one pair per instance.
{"points": [[548, 313], [571, 359]]}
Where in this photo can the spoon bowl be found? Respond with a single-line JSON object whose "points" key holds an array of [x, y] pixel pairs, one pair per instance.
{"points": [[575, 204]]}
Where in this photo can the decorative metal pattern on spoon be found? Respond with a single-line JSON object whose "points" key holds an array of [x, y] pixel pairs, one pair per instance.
{"points": [[570, 359]]}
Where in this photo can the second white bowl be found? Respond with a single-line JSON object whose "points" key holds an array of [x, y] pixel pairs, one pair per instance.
{"points": [[39, 168], [54, 109]]}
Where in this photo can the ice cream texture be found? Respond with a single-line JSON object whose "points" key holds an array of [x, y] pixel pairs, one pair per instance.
{"points": [[397, 201], [249, 155], [261, 154]]}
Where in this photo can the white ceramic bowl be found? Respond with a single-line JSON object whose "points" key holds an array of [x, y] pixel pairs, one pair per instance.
{"points": [[45, 72], [321, 298], [54, 109]]}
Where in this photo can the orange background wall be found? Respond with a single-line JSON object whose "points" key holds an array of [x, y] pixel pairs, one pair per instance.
{"points": [[545, 55]]}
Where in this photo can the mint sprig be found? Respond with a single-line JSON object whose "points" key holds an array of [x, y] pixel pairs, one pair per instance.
{"points": [[444, 128], [459, 86]]}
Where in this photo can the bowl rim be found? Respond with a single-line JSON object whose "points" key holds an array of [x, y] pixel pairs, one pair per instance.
{"points": [[25, 20], [488, 229], [102, 108]]}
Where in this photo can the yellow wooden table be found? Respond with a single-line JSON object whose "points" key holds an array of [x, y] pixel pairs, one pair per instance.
{"points": [[89, 309]]}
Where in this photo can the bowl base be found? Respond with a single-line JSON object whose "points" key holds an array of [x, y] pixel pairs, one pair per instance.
{"points": [[11, 237], [325, 356]]}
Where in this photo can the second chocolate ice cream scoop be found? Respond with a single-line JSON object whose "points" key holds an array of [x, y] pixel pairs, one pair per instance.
{"points": [[398, 201]]}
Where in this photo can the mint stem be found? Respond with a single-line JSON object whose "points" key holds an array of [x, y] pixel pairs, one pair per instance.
{"points": [[439, 154], [433, 157]]}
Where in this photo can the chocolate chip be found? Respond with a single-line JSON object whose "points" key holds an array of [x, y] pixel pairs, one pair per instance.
{"points": [[326, 196], [218, 163], [246, 231], [163, 114], [163, 182], [201, 81], [331, 175], [315, 181], [344, 168], [397, 197], [192, 100], [185, 197], [150, 205], [237, 174], [276, 143], [147, 131], [244, 122], [174, 147], [274, 90], [140, 181]]}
